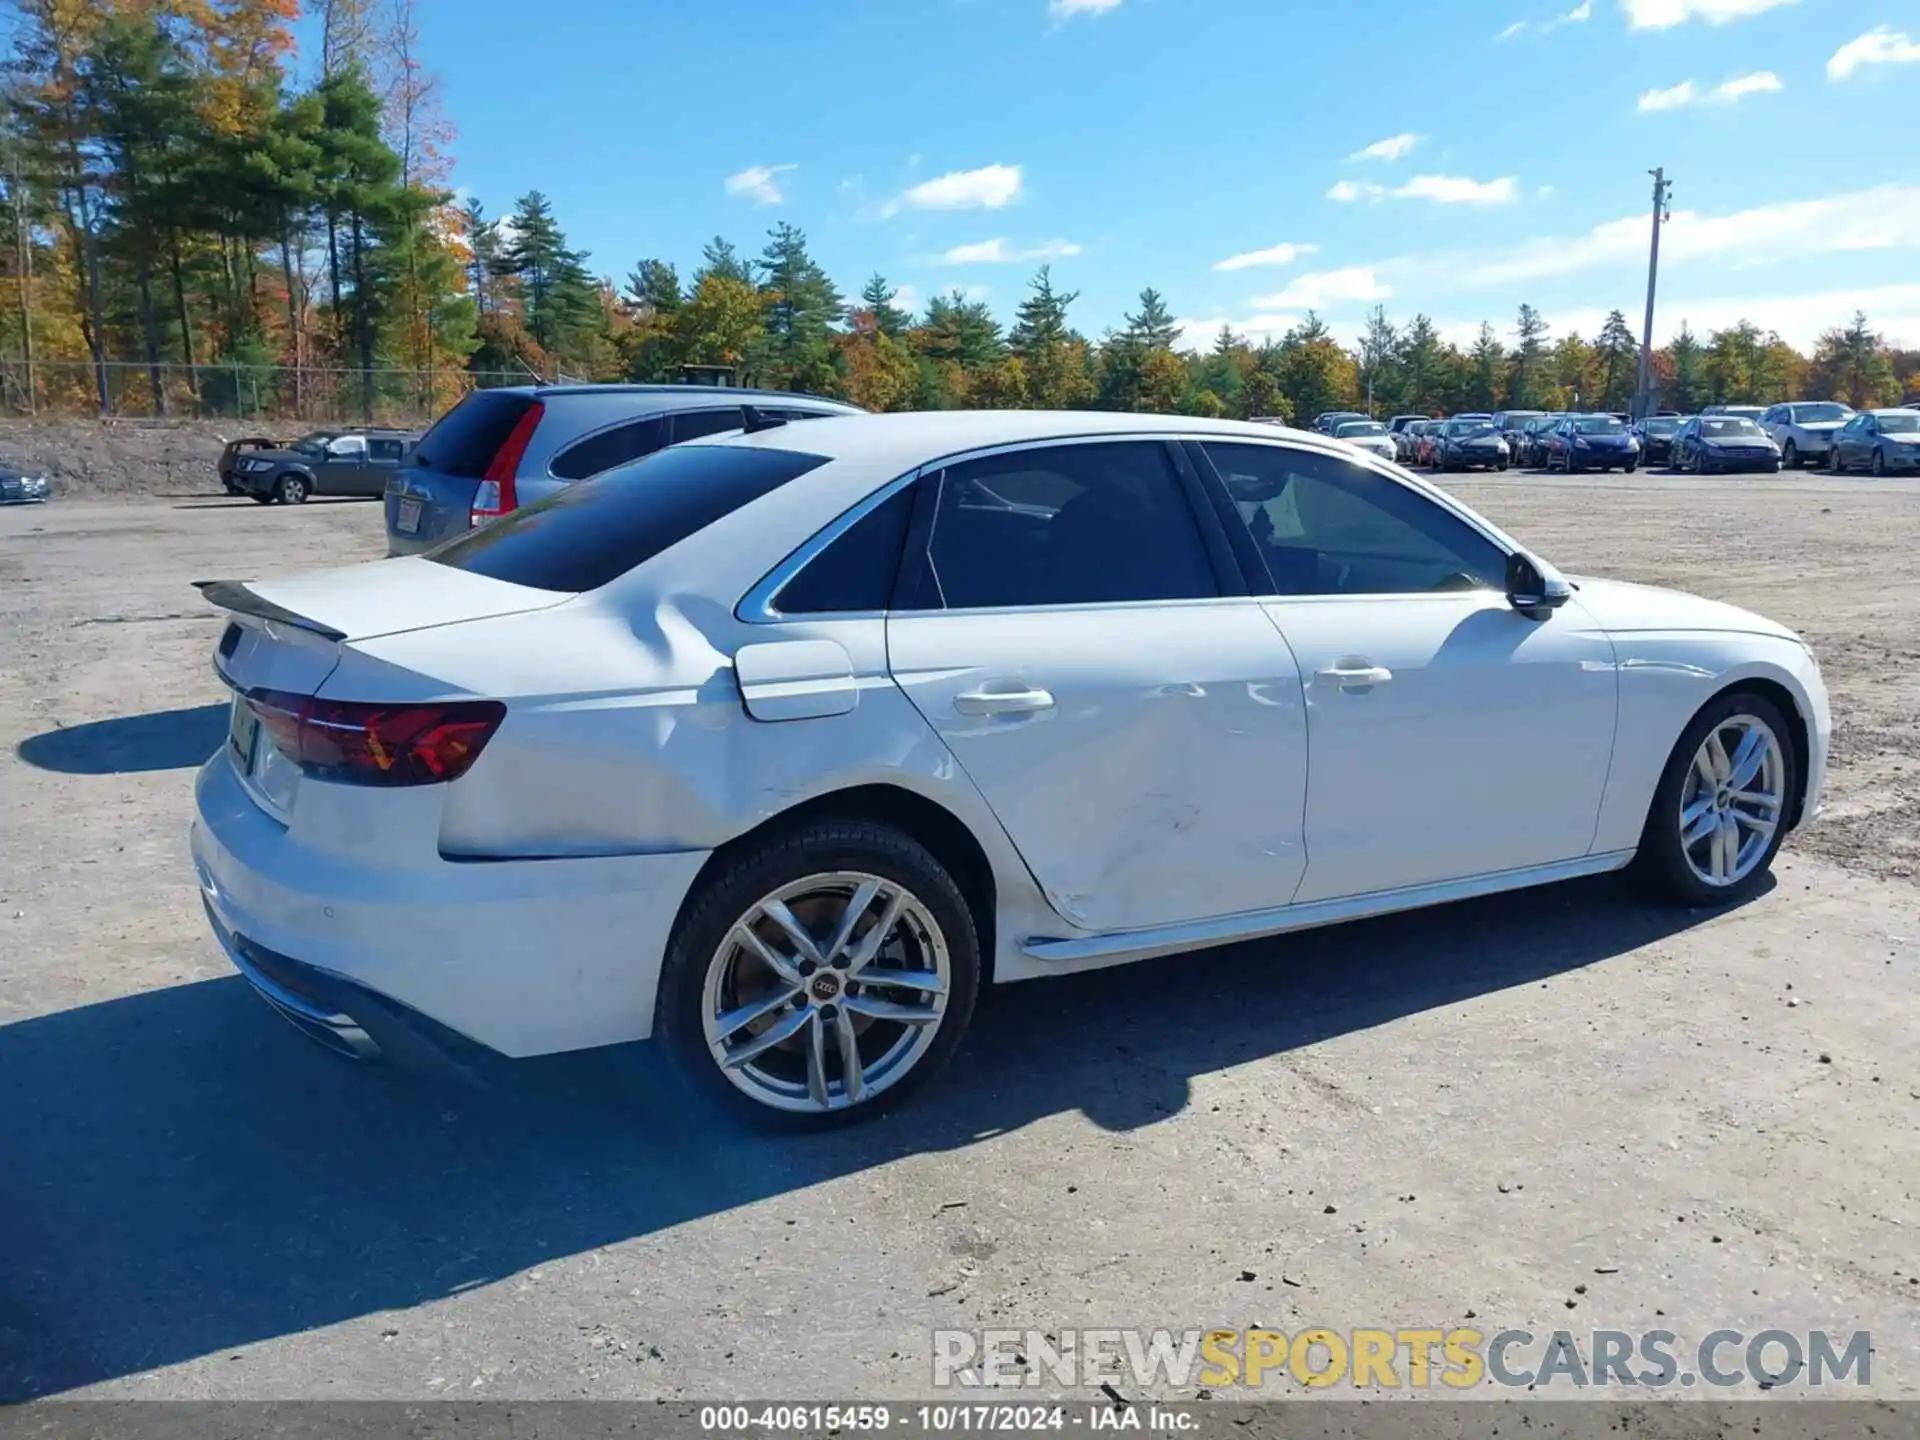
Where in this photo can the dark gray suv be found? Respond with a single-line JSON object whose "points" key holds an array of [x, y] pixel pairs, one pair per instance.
{"points": [[498, 450]]}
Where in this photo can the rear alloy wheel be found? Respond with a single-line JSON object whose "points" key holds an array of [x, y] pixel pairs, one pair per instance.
{"points": [[1790, 456], [1720, 810], [291, 490], [821, 978]]}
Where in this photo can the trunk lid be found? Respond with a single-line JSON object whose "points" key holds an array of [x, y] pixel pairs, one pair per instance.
{"points": [[288, 630]]}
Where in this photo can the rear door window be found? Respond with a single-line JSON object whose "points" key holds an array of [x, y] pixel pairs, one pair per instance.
{"points": [[854, 574], [609, 448], [388, 450], [692, 424], [1067, 525], [581, 537], [463, 441]]}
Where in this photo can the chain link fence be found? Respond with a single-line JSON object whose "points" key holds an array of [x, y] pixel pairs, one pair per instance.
{"points": [[238, 390]]}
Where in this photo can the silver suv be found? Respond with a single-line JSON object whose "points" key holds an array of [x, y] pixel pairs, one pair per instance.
{"points": [[1804, 429], [498, 450]]}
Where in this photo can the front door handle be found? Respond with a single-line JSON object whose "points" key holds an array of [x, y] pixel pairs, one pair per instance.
{"points": [[1356, 677], [1021, 701]]}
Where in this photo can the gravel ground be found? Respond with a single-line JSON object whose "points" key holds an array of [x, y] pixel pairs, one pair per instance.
{"points": [[175, 459], [1458, 1116]]}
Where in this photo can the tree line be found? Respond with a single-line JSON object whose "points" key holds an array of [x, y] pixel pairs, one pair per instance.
{"points": [[186, 218]]}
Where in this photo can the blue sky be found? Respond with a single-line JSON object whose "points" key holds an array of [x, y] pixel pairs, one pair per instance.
{"points": [[1248, 158]]}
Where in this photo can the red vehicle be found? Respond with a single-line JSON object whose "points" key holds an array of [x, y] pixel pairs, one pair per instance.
{"points": [[1424, 447]]}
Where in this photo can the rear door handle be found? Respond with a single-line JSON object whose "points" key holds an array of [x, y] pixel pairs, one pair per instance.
{"points": [[1356, 677], [1021, 701]]}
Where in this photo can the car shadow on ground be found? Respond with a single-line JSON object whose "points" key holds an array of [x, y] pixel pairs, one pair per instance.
{"points": [[184, 1174], [160, 740]]}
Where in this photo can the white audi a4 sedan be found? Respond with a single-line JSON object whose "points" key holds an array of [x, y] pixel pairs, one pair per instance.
{"points": [[780, 745]]}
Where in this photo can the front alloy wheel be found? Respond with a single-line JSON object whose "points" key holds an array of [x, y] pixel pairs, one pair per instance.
{"points": [[1790, 456], [1733, 800], [1721, 808], [292, 490]]}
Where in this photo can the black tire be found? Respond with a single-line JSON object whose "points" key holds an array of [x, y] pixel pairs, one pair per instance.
{"points": [[1879, 461], [261, 499], [817, 847], [1790, 456], [1660, 867], [1630, 467], [1833, 459], [291, 489]]}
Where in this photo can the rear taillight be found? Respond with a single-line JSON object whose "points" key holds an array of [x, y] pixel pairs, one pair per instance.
{"points": [[496, 494], [358, 742]]}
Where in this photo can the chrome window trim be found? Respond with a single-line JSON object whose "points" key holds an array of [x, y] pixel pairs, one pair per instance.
{"points": [[756, 607]]}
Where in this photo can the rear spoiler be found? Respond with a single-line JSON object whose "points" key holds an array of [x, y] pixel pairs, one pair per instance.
{"points": [[235, 596]]}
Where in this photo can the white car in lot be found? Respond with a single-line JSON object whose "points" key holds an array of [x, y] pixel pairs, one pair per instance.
{"points": [[780, 745], [1804, 430]]}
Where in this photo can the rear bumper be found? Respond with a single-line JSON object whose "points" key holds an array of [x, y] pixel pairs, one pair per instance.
{"points": [[522, 957]]}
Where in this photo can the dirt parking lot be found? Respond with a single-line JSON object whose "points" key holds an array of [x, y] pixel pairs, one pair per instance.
{"points": [[1555, 1110]]}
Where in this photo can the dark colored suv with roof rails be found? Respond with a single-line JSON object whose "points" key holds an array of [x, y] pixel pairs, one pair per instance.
{"points": [[498, 450]]}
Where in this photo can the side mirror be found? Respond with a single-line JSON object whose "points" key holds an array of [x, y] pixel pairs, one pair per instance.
{"points": [[1535, 588]]}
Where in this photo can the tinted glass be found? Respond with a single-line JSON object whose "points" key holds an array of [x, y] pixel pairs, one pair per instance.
{"points": [[1900, 422], [463, 441], [380, 449], [1064, 525], [587, 534], [1599, 425], [855, 573], [692, 424], [610, 448], [1325, 526], [1820, 414], [1726, 425], [1660, 427]]}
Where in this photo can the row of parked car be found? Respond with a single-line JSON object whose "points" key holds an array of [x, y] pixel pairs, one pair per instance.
{"points": [[1721, 439]]}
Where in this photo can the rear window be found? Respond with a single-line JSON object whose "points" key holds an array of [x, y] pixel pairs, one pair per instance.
{"points": [[463, 441], [590, 533], [609, 448]]}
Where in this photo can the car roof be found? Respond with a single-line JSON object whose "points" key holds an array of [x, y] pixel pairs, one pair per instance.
{"points": [[691, 394], [916, 438]]}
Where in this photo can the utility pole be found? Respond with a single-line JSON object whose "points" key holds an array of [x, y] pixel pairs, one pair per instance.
{"points": [[1662, 212]]}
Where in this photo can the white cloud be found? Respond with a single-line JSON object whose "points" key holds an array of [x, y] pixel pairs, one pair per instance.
{"points": [[760, 184], [1892, 310], [1671, 98], [1882, 45], [988, 188], [1884, 218], [1579, 15], [1347, 191], [906, 298], [1355, 283], [999, 252], [1458, 190], [1665, 14], [1676, 97], [1064, 10], [1516, 28], [1199, 335], [1282, 254], [1392, 148]]}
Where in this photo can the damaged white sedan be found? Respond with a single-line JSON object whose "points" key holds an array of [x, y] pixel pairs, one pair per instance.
{"points": [[780, 745]]}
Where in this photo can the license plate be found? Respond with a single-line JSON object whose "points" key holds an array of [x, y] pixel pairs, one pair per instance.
{"points": [[243, 734], [407, 522]]}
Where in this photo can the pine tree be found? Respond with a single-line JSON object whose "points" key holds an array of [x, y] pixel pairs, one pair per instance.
{"points": [[1619, 356], [483, 246], [1487, 361], [801, 309], [559, 294], [877, 296], [1529, 384], [1420, 366], [1852, 363], [718, 257], [1686, 367], [960, 332], [1153, 328]]}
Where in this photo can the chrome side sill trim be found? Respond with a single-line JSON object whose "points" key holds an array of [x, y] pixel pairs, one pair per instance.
{"points": [[1253, 924]]}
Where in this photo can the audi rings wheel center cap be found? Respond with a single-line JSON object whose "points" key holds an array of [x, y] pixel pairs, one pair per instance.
{"points": [[825, 986]]}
